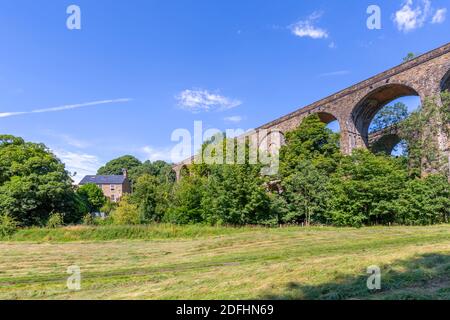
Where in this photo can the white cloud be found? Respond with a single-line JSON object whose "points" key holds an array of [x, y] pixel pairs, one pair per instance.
{"points": [[68, 139], [439, 16], [332, 45], [334, 73], [80, 163], [64, 107], [202, 100], [306, 28], [234, 119], [409, 17], [74, 142]]}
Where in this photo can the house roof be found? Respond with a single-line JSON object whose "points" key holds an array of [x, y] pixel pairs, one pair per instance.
{"points": [[103, 180]]}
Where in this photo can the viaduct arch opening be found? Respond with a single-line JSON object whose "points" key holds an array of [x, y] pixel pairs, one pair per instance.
{"points": [[366, 110], [445, 83], [390, 144], [331, 121]]}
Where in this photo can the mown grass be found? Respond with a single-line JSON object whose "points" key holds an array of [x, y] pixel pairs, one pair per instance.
{"points": [[195, 262]]}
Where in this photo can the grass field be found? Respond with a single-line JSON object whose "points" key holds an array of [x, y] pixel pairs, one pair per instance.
{"points": [[165, 262]]}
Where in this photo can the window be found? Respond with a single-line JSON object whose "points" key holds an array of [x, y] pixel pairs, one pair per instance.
{"points": [[113, 198], [113, 187]]}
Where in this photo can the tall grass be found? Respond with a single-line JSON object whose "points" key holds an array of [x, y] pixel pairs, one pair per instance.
{"points": [[110, 232]]}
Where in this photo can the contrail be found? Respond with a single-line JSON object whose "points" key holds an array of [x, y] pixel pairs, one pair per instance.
{"points": [[65, 107]]}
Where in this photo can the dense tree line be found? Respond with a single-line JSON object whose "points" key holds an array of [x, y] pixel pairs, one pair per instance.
{"points": [[315, 185]]}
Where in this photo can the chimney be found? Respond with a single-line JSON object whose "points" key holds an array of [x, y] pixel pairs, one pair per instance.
{"points": [[125, 173]]}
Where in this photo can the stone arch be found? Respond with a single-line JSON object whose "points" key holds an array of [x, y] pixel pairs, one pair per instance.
{"points": [[184, 171], [366, 109], [272, 141], [445, 82], [386, 144], [172, 175], [327, 117]]}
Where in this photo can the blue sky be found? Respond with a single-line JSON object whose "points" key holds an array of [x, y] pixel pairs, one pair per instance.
{"points": [[137, 70]]}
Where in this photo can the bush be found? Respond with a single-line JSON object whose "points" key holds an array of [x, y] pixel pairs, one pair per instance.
{"points": [[108, 207], [8, 225], [126, 213], [92, 196], [186, 205], [363, 189], [55, 220], [89, 220], [425, 201]]}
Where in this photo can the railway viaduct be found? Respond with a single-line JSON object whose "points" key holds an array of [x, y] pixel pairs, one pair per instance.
{"points": [[355, 107]]}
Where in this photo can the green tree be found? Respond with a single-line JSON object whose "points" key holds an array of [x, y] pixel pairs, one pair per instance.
{"points": [[312, 141], [92, 196], [159, 169], [115, 167], [306, 195], [389, 116], [152, 197], [34, 183], [410, 56], [235, 194], [312, 153], [186, 203], [425, 201], [126, 213], [363, 189], [420, 130]]}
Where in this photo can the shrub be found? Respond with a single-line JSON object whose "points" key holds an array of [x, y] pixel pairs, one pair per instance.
{"points": [[8, 225], [126, 213], [89, 220], [363, 189], [55, 220], [108, 207], [104, 221], [425, 201], [92, 196]]}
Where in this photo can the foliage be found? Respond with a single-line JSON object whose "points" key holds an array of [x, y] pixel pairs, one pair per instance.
{"points": [[312, 141], [92, 196], [89, 220], [108, 207], [425, 201], [306, 195], [235, 194], [410, 56], [151, 196], [55, 220], [8, 225], [421, 130], [363, 188], [389, 116], [312, 153], [33, 183], [186, 203], [159, 169], [126, 213], [116, 166]]}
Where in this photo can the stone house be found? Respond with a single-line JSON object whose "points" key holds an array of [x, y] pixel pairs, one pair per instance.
{"points": [[114, 187]]}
